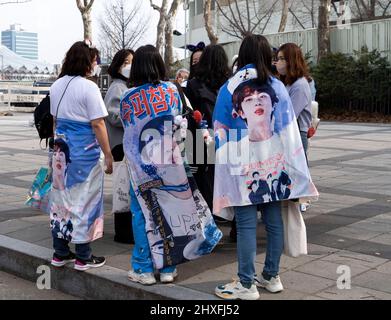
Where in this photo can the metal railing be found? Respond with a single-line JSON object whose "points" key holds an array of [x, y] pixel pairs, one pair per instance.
{"points": [[15, 95]]}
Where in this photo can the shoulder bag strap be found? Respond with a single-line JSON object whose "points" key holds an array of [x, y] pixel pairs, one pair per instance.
{"points": [[58, 106]]}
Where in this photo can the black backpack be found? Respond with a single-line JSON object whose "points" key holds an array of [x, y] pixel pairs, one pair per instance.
{"points": [[43, 120]]}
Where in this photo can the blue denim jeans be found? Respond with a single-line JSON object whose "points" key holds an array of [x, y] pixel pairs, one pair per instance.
{"points": [[304, 141], [61, 247], [141, 260], [246, 224]]}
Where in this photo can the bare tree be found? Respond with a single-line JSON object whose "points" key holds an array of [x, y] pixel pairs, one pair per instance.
{"points": [[245, 16], [369, 9], [164, 39], [14, 2], [305, 13], [85, 10], [324, 29], [208, 22], [121, 26]]}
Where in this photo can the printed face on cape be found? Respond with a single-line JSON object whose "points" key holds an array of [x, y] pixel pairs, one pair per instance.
{"points": [[159, 150], [60, 159], [254, 104]]}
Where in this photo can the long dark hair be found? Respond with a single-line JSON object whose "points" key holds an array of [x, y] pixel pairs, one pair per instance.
{"points": [[213, 69], [256, 49], [78, 60], [147, 67], [118, 61]]}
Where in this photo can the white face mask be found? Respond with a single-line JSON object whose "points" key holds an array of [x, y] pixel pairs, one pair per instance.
{"points": [[125, 71], [96, 71]]}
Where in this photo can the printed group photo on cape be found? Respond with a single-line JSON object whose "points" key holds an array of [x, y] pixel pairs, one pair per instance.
{"points": [[259, 153], [179, 223]]}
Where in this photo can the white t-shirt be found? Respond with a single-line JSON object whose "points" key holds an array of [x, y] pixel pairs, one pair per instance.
{"points": [[82, 100]]}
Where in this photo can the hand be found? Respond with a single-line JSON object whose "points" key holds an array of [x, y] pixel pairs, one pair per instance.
{"points": [[109, 163]]}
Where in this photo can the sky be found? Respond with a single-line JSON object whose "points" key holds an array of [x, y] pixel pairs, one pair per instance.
{"points": [[59, 24]]}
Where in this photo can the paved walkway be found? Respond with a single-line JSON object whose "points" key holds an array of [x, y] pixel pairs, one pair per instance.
{"points": [[350, 224]]}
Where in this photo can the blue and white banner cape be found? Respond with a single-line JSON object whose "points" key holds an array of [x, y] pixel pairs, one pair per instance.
{"points": [[179, 224], [76, 196], [259, 153]]}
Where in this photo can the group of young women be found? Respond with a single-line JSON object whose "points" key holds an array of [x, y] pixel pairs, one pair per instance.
{"points": [[144, 118]]}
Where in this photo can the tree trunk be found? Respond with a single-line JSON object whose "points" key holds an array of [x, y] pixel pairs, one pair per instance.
{"points": [[85, 10], [208, 22], [168, 35], [324, 29], [372, 12], [284, 16], [168, 50], [87, 25], [161, 26]]}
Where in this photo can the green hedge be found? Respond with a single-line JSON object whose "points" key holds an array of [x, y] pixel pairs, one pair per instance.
{"points": [[361, 82]]}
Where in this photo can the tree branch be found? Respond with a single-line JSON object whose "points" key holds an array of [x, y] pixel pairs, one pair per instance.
{"points": [[154, 6], [88, 7], [297, 19]]}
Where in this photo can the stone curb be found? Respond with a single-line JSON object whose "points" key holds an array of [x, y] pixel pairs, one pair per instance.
{"points": [[106, 283]]}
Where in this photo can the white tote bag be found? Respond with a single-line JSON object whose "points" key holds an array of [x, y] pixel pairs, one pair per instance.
{"points": [[121, 186], [295, 234]]}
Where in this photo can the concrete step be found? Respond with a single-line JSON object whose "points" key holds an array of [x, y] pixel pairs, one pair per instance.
{"points": [[106, 283]]}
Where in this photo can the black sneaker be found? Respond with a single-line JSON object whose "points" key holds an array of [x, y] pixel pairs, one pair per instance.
{"points": [[59, 261], [93, 262]]}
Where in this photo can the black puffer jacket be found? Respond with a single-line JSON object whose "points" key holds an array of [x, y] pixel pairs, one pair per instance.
{"points": [[203, 99]]}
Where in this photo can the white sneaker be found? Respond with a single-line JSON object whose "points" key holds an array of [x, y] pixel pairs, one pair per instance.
{"points": [[305, 206], [273, 285], [235, 290], [146, 278], [168, 277]]}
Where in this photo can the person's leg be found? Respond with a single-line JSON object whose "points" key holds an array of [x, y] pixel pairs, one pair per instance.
{"points": [[246, 225], [62, 255], [168, 269], [304, 140], [233, 231], [118, 153], [141, 257], [83, 251], [275, 238], [123, 231], [168, 274], [61, 247], [85, 259]]}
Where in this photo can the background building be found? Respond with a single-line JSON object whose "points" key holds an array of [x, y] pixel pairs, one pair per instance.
{"points": [[348, 32], [23, 43], [15, 67]]}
